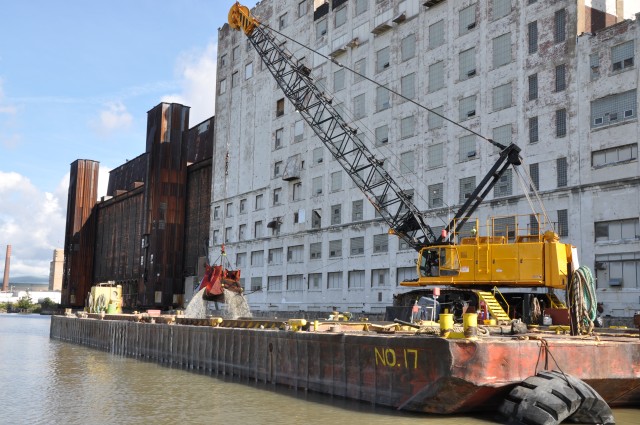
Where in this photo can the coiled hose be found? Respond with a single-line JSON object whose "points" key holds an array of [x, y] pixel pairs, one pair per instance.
{"points": [[582, 293]]}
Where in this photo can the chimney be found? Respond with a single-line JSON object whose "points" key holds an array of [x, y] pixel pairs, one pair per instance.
{"points": [[7, 260]]}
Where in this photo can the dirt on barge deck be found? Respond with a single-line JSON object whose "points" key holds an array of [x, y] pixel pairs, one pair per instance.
{"points": [[407, 371]]}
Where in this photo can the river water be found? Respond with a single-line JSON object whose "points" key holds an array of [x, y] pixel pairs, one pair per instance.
{"points": [[43, 381]]}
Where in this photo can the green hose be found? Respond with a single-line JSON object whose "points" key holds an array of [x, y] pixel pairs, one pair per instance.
{"points": [[582, 293]]}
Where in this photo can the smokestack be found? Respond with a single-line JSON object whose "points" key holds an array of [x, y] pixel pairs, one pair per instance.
{"points": [[7, 260]]}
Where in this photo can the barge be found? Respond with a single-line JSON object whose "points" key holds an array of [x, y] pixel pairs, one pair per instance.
{"points": [[405, 369]]}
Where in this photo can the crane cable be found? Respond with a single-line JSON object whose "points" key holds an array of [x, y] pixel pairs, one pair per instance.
{"points": [[582, 294]]}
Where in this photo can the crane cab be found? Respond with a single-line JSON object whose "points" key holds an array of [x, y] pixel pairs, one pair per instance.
{"points": [[511, 260]]}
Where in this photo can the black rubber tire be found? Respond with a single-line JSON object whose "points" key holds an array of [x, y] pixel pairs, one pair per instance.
{"points": [[593, 409], [543, 399]]}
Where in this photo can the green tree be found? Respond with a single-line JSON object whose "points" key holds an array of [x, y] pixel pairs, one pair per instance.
{"points": [[25, 302]]}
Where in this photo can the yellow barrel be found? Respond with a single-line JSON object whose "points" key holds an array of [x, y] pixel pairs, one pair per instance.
{"points": [[446, 324], [470, 323]]}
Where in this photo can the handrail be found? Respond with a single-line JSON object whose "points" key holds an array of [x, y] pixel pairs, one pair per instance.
{"points": [[495, 289]]}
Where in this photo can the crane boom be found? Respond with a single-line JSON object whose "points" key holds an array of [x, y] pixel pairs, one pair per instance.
{"points": [[315, 107]]}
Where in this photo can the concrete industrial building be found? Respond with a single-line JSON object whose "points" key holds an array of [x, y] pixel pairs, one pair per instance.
{"points": [[55, 270], [557, 78]]}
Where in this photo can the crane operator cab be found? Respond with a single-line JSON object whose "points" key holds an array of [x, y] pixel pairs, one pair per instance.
{"points": [[439, 261]]}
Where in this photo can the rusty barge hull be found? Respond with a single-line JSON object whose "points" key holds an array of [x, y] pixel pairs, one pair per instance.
{"points": [[407, 372]]}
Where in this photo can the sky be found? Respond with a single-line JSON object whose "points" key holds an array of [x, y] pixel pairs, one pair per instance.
{"points": [[76, 81]]}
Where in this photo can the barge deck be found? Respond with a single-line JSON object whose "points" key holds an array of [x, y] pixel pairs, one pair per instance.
{"points": [[405, 371]]}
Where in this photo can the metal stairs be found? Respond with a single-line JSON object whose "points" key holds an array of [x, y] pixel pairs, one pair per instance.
{"points": [[493, 306], [554, 301]]}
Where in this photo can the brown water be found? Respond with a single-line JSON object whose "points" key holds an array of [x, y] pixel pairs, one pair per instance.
{"points": [[51, 382]]}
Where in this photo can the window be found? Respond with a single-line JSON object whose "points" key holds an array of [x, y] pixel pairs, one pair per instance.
{"points": [[505, 226], [382, 99], [534, 173], [336, 181], [563, 223], [361, 6], [502, 50], [359, 106], [256, 283], [435, 119], [436, 76], [361, 70], [382, 59], [467, 186], [242, 232], [274, 256], [241, 259], [504, 185], [533, 129], [357, 208], [259, 202], [467, 63], [533, 87], [243, 206], [560, 78], [223, 60], [298, 131], [295, 282], [408, 47], [316, 186], [340, 16], [467, 19], [594, 65], [227, 234], [561, 122], [502, 97], [280, 107], [436, 34], [297, 193], [403, 245], [533, 36], [315, 250], [561, 167], [336, 214], [334, 279], [615, 155], [435, 195], [435, 155], [274, 283], [277, 169], [229, 212], [257, 258], [622, 56], [356, 246], [295, 254], [277, 196], [277, 143], [613, 109], [407, 162], [407, 127], [216, 237], [559, 33], [408, 86], [467, 148], [335, 248], [501, 8], [379, 277], [356, 279], [316, 219], [380, 243], [502, 135], [222, 88], [216, 213], [382, 135], [534, 226], [302, 8], [405, 274], [257, 229], [321, 28], [235, 54], [318, 155], [282, 22], [338, 80], [235, 79], [314, 281], [617, 230], [248, 71], [467, 107]]}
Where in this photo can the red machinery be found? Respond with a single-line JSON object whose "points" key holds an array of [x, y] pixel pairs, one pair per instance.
{"points": [[217, 278]]}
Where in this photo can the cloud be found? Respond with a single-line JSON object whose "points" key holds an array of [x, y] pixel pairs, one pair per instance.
{"points": [[197, 73], [32, 222], [112, 119]]}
